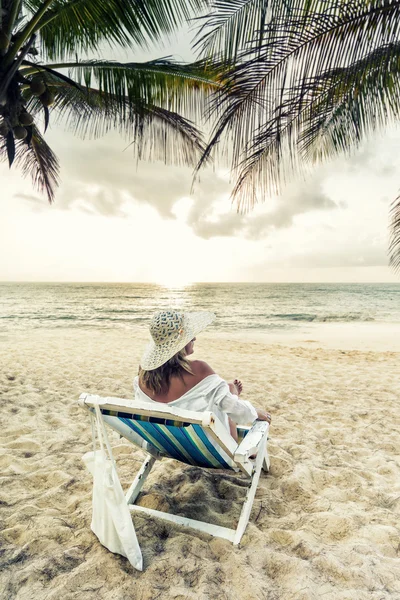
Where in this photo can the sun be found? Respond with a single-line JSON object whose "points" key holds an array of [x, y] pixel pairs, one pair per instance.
{"points": [[171, 281]]}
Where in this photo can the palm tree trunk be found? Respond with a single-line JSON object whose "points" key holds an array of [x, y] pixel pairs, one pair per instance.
{"points": [[12, 15], [30, 28], [7, 77]]}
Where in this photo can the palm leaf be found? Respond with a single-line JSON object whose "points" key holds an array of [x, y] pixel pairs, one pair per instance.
{"points": [[263, 90], [322, 117], [143, 101], [343, 106], [318, 79], [32, 68], [10, 147], [155, 132], [71, 26], [176, 86], [37, 160], [234, 26], [229, 27]]}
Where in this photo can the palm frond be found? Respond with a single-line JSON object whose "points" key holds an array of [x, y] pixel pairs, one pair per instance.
{"points": [[322, 117], [37, 160], [179, 87], [233, 26], [257, 108], [154, 131], [230, 26], [71, 26], [343, 106], [33, 68]]}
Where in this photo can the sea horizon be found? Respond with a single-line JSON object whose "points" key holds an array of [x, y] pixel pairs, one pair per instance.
{"points": [[348, 315], [159, 284]]}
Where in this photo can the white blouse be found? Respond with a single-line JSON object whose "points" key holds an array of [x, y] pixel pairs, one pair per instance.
{"points": [[211, 394]]}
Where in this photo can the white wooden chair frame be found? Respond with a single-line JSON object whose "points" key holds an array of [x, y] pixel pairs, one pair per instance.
{"points": [[255, 442]]}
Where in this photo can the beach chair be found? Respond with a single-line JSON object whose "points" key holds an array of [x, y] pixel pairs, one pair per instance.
{"points": [[165, 431]]}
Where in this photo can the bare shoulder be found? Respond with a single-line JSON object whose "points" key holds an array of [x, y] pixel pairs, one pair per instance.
{"points": [[201, 369]]}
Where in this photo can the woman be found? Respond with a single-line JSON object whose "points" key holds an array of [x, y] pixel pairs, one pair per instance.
{"points": [[166, 375]]}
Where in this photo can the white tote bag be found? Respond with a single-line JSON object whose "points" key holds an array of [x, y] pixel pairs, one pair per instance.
{"points": [[111, 517]]}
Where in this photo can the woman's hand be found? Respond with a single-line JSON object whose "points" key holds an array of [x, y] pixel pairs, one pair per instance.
{"points": [[263, 415]]}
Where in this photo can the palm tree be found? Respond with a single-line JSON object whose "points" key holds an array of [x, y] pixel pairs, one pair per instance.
{"points": [[144, 101], [309, 79]]}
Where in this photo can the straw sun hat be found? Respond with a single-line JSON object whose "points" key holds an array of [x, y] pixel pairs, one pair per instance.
{"points": [[170, 332]]}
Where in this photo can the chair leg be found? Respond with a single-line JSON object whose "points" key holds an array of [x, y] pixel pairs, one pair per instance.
{"points": [[139, 480], [248, 504], [266, 462]]}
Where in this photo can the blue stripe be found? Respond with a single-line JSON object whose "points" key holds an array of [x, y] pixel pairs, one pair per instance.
{"points": [[193, 450], [136, 429], [164, 441], [200, 432], [157, 435], [183, 438], [242, 431]]}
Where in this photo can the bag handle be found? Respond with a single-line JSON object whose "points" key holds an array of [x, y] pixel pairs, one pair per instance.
{"points": [[102, 434], [92, 419]]}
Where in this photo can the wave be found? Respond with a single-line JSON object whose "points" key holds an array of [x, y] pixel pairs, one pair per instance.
{"points": [[122, 311], [46, 318], [323, 318], [77, 318], [268, 320]]}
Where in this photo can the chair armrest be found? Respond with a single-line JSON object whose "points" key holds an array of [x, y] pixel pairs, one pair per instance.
{"points": [[251, 442], [82, 400]]}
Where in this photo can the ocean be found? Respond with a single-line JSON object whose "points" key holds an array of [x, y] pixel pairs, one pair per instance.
{"points": [[240, 307]]}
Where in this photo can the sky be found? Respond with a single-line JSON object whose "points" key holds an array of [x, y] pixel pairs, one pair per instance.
{"points": [[118, 220]]}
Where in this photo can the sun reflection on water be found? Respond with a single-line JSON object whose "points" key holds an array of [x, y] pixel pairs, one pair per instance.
{"points": [[174, 282]]}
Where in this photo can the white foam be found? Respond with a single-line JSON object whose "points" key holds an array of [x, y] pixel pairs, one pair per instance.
{"points": [[378, 337]]}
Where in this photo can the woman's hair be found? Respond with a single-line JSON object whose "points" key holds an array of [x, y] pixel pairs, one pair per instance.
{"points": [[158, 380]]}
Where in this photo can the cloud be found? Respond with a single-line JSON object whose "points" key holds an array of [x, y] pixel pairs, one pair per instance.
{"points": [[103, 180], [378, 155], [100, 178], [298, 199], [93, 200], [30, 198], [102, 165], [36, 203], [376, 161]]}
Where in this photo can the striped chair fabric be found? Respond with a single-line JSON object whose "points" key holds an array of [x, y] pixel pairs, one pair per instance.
{"points": [[186, 442]]}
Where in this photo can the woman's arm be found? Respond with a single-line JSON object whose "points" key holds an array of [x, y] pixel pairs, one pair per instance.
{"points": [[236, 388], [239, 411]]}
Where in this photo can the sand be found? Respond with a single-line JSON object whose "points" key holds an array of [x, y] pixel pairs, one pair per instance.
{"points": [[325, 521]]}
